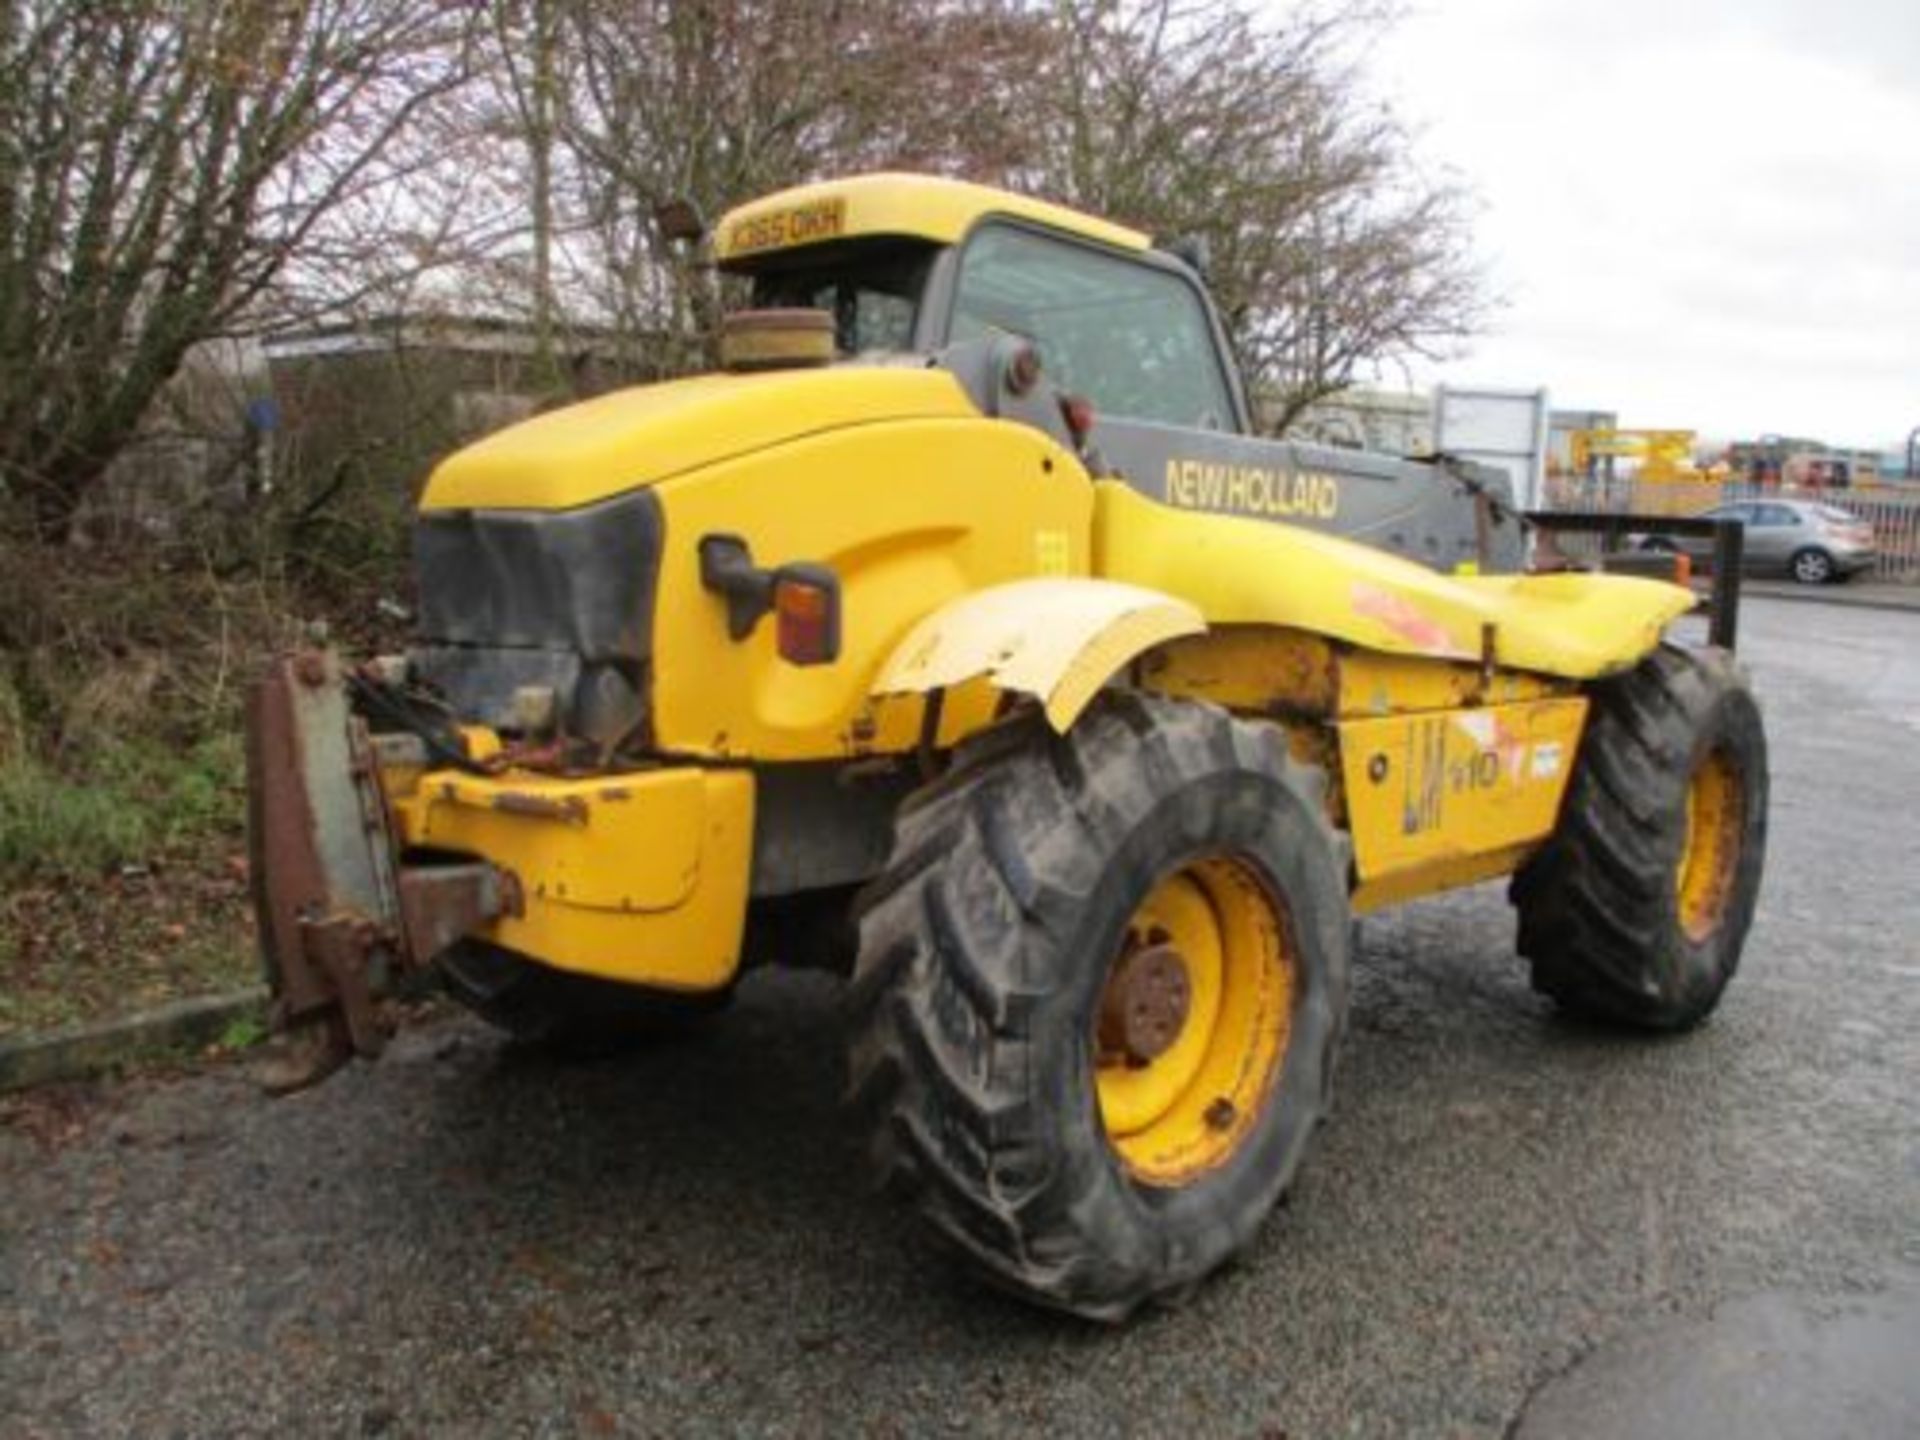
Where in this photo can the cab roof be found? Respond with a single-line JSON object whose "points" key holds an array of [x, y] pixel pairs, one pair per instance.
{"points": [[924, 207]]}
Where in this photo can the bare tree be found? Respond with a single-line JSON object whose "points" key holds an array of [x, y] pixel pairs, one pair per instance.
{"points": [[524, 62], [1204, 118], [719, 100], [171, 170], [164, 165]]}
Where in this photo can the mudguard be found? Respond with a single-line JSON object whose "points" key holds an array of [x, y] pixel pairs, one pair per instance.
{"points": [[1058, 640]]}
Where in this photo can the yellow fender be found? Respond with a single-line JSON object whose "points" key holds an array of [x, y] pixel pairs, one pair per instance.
{"points": [[1058, 640]]}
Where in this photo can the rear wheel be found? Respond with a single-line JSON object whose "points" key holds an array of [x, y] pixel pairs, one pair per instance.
{"points": [[1637, 908], [1812, 567], [559, 1010], [1099, 992]]}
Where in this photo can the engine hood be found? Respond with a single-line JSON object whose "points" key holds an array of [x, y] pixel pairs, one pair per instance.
{"points": [[639, 437]]}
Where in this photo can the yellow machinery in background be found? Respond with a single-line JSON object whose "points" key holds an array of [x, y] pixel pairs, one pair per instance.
{"points": [[1659, 455]]}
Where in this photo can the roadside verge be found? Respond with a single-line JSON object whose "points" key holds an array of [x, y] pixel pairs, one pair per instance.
{"points": [[1858, 596], [81, 1051]]}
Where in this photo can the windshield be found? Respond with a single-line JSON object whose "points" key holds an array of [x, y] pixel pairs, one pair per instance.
{"points": [[871, 288], [1133, 338]]}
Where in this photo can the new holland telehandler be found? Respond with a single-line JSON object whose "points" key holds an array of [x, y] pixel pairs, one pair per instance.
{"points": [[960, 633]]}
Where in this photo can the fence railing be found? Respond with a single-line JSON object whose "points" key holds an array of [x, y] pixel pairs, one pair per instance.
{"points": [[1894, 514]]}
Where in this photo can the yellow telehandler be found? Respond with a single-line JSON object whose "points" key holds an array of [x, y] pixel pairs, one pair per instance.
{"points": [[960, 634]]}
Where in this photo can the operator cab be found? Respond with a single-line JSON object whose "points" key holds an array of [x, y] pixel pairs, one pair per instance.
{"points": [[1135, 339], [1124, 326], [1127, 338]]}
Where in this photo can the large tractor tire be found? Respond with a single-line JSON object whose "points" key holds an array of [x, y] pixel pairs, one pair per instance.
{"points": [[1098, 996], [558, 1011], [1636, 910]]}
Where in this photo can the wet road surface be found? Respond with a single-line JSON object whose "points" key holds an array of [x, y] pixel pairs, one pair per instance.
{"points": [[1506, 1208]]}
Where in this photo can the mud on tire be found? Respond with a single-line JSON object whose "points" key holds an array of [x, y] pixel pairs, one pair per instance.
{"points": [[1618, 917], [985, 949]]}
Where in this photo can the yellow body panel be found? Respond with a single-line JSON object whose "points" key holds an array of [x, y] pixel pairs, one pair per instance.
{"points": [[1372, 684], [927, 207], [614, 443], [641, 878], [1242, 571], [910, 515], [1058, 640], [1433, 798], [1468, 867], [1255, 669]]}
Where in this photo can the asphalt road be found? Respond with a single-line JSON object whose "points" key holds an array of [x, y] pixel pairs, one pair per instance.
{"points": [[1506, 1212]]}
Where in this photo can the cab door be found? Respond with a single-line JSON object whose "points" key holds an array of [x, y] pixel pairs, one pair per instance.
{"points": [[1135, 334]]}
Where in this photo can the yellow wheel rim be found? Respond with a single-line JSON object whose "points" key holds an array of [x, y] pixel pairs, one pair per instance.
{"points": [[1716, 816], [1178, 1113]]}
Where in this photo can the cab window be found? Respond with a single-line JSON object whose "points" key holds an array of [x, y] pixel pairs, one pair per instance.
{"points": [[1131, 338], [871, 288]]}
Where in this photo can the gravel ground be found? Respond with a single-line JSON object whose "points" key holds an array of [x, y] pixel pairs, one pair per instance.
{"points": [[466, 1240]]}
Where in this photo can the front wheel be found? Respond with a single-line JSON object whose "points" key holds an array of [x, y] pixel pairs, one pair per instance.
{"points": [[1099, 992], [1812, 567]]}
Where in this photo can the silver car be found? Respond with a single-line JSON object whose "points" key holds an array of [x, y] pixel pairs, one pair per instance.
{"points": [[1808, 540]]}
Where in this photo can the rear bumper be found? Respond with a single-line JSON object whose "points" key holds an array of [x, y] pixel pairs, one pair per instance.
{"points": [[1852, 562], [364, 868]]}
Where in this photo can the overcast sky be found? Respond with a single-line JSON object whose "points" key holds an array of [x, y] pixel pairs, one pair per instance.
{"points": [[1700, 213]]}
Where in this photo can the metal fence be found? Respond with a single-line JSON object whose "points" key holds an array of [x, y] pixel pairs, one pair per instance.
{"points": [[1893, 513]]}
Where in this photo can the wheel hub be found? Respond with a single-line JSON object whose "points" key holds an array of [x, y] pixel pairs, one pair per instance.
{"points": [[1146, 1003], [1710, 850], [1191, 1025]]}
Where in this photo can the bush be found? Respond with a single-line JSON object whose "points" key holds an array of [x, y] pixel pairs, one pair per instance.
{"points": [[52, 827], [134, 804], [13, 722]]}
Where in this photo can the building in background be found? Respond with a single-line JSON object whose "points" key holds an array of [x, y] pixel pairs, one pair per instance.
{"points": [[371, 404], [1797, 461], [424, 384]]}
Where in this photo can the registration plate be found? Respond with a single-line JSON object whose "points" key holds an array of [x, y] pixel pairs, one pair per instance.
{"points": [[801, 225]]}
